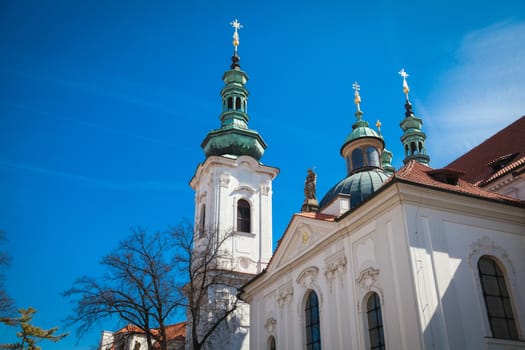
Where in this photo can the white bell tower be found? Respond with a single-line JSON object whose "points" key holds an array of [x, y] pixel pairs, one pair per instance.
{"points": [[233, 206]]}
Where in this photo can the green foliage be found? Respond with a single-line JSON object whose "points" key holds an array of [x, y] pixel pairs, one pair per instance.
{"points": [[29, 334]]}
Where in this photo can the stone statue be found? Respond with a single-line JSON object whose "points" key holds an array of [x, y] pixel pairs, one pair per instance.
{"points": [[309, 184], [310, 201]]}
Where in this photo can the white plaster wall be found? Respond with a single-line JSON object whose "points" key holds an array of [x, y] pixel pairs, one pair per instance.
{"points": [[219, 183], [445, 248], [331, 271]]}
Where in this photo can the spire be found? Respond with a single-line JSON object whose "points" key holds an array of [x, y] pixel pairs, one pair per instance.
{"points": [[235, 58], [358, 114], [413, 138], [234, 138]]}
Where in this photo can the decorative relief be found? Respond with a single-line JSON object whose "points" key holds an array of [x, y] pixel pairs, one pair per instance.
{"points": [[335, 267], [265, 189], [368, 278], [284, 295], [225, 180], [308, 277], [486, 246], [305, 238], [270, 325]]}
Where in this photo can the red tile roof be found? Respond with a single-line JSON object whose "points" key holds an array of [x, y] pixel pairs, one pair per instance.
{"points": [[316, 215], [475, 163], [175, 331], [418, 173]]}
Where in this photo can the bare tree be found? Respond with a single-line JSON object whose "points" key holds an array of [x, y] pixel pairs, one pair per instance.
{"points": [[140, 287], [211, 290], [7, 304], [151, 278]]}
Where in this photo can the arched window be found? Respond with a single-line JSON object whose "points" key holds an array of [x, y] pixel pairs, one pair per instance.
{"points": [[357, 158], [372, 156], [243, 216], [375, 322], [202, 223], [313, 329], [497, 299], [230, 103], [237, 103], [271, 343]]}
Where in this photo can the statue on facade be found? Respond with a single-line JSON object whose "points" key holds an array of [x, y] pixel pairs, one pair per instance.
{"points": [[310, 201]]}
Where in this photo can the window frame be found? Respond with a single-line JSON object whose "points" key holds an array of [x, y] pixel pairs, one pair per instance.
{"points": [[379, 326], [244, 220], [504, 297], [311, 325]]}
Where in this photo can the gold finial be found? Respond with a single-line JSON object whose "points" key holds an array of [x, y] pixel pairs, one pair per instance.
{"points": [[404, 74], [236, 25], [357, 98], [378, 125]]}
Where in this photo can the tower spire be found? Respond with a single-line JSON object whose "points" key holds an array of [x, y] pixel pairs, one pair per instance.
{"points": [[235, 58], [413, 138], [234, 138]]}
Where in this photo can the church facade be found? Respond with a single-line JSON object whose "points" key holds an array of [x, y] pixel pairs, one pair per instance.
{"points": [[417, 258]]}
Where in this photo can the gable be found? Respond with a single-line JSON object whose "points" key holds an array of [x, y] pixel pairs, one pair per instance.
{"points": [[303, 233]]}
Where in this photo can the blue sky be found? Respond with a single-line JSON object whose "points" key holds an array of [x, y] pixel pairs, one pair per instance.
{"points": [[104, 104]]}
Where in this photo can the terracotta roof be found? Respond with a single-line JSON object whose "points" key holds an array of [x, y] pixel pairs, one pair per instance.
{"points": [[505, 170], [418, 173], [175, 331], [507, 142], [316, 215]]}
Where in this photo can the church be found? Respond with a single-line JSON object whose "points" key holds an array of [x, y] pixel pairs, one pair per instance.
{"points": [[417, 258], [413, 258]]}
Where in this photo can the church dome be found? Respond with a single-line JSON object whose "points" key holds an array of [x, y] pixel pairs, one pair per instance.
{"points": [[359, 186], [363, 152], [361, 130]]}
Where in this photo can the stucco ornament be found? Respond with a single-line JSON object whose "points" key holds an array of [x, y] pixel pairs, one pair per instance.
{"points": [[335, 268], [305, 237], [284, 296], [225, 180], [265, 189], [308, 277], [270, 325], [486, 246], [367, 278]]}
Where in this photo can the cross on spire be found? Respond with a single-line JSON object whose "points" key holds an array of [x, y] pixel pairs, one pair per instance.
{"points": [[357, 98], [406, 89], [236, 25]]}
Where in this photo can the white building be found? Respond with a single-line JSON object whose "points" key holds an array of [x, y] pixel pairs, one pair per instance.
{"points": [[417, 258], [420, 259]]}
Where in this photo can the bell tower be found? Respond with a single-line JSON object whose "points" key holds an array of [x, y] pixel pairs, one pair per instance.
{"points": [[233, 189], [413, 138]]}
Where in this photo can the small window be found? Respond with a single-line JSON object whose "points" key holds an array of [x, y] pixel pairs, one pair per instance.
{"points": [[357, 159], [243, 216], [375, 323], [372, 156], [230, 103], [202, 223], [237, 103], [271, 343], [497, 299], [313, 329]]}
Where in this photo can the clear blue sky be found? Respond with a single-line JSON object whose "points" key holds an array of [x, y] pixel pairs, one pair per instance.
{"points": [[104, 104]]}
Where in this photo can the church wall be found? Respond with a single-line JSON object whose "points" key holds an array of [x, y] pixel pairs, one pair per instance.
{"points": [[343, 273], [445, 246]]}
